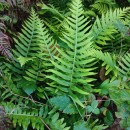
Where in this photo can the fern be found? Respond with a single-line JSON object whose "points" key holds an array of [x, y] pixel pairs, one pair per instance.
{"points": [[72, 64], [103, 5], [23, 117], [124, 66], [26, 45], [33, 48], [57, 124], [104, 29], [108, 61]]}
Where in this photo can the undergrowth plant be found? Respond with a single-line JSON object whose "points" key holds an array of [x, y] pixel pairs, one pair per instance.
{"points": [[53, 79]]}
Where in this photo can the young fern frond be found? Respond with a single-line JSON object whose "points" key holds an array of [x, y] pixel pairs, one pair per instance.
{"points": [[104, 28], [73, 69]]}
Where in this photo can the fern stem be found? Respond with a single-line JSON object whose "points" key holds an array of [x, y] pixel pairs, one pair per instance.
{"points": [[45, 124]]}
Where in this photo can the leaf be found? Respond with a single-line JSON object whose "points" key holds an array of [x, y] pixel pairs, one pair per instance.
{"points": [[89, 109], [93, 108], [60, 101], [80, 125], [94, 104], [27, 86], [96, 111], [63, 103], [108, 118]]}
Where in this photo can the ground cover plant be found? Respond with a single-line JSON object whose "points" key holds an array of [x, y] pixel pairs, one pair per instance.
{"points": [[65, 65]]}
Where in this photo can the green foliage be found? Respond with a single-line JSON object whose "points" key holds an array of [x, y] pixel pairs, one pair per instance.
{"points": [[82, 125], [124, 65], [24, 118], [93, 108], [103, 5], [54, 78], [104, 29], [57, 123], [63, 103], [71, 64]]}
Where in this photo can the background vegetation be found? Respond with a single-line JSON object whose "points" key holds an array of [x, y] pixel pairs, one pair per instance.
{"points": [[65, 65]]}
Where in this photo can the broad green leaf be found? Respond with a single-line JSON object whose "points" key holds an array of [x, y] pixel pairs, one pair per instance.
{"points": [[27, 86], [81, 125], [94, 104]]}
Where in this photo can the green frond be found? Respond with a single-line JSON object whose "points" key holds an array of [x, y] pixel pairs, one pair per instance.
{"points": [[34, 48], [56, 123], [73, 67], [124, 66], [47, 49], [104, 29], [27, 46], [108, 61], [23, 117], [103, 5], [26, 42], [35, 72]]}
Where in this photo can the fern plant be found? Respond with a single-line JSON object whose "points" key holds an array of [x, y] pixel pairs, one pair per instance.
{"points": [[72, 68], [47, 83]]}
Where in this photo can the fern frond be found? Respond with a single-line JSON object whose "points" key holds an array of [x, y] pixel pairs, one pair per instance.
{"points": [[72, 68], [34, 49], [47, 50], [26, 44], [108, 61], [124, 66], [103, 5], [23, 117], [57, 124], [103, 29]]}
